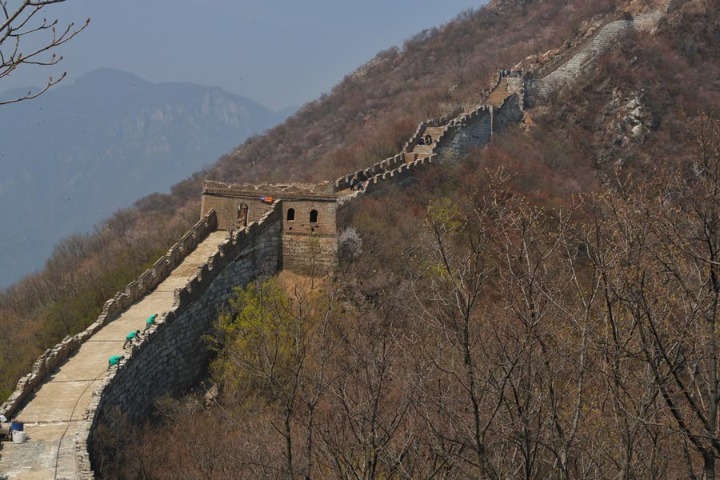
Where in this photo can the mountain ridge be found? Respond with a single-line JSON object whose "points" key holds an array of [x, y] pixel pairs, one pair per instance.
{"points": [[89, 148], [579, 142]]}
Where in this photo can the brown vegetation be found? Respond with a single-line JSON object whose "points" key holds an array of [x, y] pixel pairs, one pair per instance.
{"points": [[512, 341], [495, 326], [367, 117]]}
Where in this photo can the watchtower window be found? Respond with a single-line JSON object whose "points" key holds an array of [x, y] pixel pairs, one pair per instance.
{"points": [[242, 215], [290, 214], [313, 216]]}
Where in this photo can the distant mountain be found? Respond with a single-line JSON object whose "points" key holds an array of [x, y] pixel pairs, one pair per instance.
{"points": [[84, 150]]}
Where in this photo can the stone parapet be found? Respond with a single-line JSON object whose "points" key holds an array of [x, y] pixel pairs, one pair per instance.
{"points": [[386, 165], [171, 356], [52, 358], [271, 227], [568, 72], [460, 134]]}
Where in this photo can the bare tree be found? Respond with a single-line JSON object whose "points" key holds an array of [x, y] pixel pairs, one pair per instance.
{"points": [[365, 433], [629, 396], [663, 304], [28, 37], [550, 303], [466, 363], [277, 347]]}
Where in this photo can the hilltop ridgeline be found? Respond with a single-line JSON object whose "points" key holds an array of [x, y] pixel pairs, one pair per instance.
{"points": [[168, 358], [257, 244]]}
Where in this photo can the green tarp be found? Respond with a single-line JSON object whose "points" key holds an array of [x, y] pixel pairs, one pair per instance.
{"points": [[115, 359]]}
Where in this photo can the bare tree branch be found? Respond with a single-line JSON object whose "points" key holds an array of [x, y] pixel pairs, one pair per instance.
{"points": [[27, 38]]}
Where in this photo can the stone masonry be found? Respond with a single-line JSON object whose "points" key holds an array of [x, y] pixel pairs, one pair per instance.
{"points": [[250, 231], [59, 411], [566, 74], [172, 356], [309, 236], [246, 232]]}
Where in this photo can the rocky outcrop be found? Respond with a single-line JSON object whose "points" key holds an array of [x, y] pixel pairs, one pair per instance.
{"points": [[625, 121]]}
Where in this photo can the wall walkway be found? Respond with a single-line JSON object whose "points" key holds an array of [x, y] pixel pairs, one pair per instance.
{"points": [[452, 137], [71, 388], [54, 415], [567, 73]]}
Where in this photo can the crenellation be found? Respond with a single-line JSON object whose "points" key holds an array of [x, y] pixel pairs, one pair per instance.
{"points": [[271, 227], [112, 308], [170, 356]]}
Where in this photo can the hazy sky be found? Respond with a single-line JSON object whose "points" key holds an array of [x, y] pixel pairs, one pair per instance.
{"points": [[277, 52]]}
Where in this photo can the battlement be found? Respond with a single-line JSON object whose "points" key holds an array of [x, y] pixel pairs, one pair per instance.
{"points": [[285, 191], [134, 291], [451, 136], [588, 51], [246, 232]]}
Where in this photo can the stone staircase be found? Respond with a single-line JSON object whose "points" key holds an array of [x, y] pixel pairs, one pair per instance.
{"points": [[502, 89], [425, 149], [568, 72], [55, 412], [499, 94], [434, 132], [415, 154]]}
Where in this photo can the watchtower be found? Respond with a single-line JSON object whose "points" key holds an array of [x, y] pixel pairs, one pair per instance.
{"points": [[309, 234]]}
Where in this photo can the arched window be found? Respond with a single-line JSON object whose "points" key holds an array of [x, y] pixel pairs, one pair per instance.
{"points": [[242, 215], [290, 214], [313, 216]]}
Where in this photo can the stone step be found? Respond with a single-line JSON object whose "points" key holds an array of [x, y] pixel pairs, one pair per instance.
{"points": [[574, 67], [410, 157], [422, 150], [497, 99], [434, 132], [499, 93]]}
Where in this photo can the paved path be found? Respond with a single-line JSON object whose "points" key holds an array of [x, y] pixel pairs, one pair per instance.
{"points": [[52, 414]]}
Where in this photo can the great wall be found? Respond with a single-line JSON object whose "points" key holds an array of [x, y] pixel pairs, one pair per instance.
{"points": [[245, 232], [584, 58]]}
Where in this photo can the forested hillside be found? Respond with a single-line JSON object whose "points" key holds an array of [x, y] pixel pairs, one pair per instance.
{"points": [[545, 307]]}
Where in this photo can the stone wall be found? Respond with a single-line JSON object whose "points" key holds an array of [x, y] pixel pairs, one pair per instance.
{"points": [[378, 168], [391, 166], [297, 233], [322, 222], [229, 209], [584, 59], [460, 135], [475, 133], [399, 174], [309, 247], [151, 278], [510, 113], [172, 356], [475, 130], [228, 212], [229, 199], [308, 219], [309, 253], [404, 157]]}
